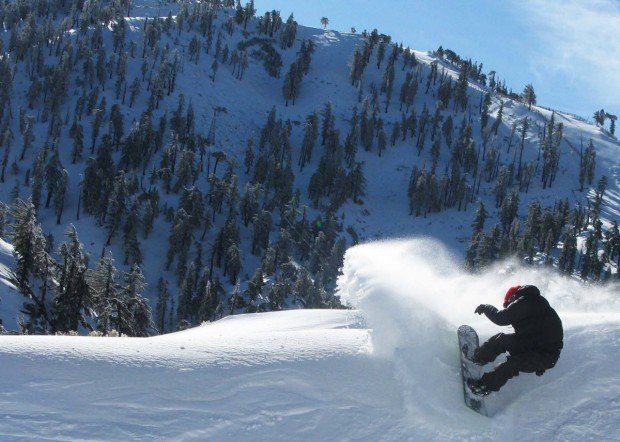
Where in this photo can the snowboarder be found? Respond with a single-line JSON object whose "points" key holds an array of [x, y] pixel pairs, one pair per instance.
{"points": [[534, 346]]}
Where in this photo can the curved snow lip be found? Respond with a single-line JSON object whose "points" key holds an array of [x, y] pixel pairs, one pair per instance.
{"points": [[242, 340]]}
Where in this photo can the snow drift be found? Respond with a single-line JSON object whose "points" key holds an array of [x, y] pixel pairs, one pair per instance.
{"points": [[386, 371]]}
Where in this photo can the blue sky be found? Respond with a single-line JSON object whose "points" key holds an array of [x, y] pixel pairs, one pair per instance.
{"points": [[569, 50]]}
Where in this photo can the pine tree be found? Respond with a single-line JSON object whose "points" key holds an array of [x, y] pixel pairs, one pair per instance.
{"points": [[61, 195], [444, 93], [98, 115], [357, 183], [380, 53], [357, 66], [74, 299], [98, 182], [185, 170], [388, 84], [234, 263], [102, 282], [27, 134], [117, 205], [566, 261], [249, 156], [612, 124], [587, 165], [612, 246], [185, 309], [134, 314], [116, 124], [599, 117], [484, 111], [235, 301], [31, 251], [179, 241], [480, 217], [381, 141], [524, 128], [529, 96], [533, 221], [53, 176], [589, 257], [447, 129], [498, 120], [472, 251], [249, 202], [485, 252], [134, 89], [256, 283], [131, 245], [207, 298], [77, 133], [29, 243], [151, 210], [328, 123], [311, 132], [260, 232], [38, 177], [460, 90]]}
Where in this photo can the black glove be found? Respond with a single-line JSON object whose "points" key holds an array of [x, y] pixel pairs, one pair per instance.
{"points": [[484, 308], [540, 372]]}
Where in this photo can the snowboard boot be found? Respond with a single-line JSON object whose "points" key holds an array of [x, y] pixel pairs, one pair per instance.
{"points": [[477, 387], [475, 358]]}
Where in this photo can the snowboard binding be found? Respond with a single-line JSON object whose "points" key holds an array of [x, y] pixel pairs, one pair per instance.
{"points": [[477, 387]]}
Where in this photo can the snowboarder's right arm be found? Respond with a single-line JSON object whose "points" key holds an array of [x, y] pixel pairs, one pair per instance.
{"points": [[515, 311]]}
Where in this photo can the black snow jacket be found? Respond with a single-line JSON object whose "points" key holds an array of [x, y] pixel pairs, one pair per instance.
{"points": [[537, 326]]}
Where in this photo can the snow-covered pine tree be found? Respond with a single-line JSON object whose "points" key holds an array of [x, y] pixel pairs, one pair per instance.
{"points": [[529, 96], [73, 301], [133, 312], [105, 292], [33, 262]]}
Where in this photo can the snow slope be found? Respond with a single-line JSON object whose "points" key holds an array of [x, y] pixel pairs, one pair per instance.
{"points": [[387, 371]]}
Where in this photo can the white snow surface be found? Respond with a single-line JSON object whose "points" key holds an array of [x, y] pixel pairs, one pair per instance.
{"points": [[388, 370]]}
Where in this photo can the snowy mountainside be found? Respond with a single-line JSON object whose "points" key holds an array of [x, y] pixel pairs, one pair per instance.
{"points": [[227, 112], [387, 371]]}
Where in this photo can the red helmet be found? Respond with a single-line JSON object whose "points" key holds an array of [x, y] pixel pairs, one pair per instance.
{"points": [[511, 291]]}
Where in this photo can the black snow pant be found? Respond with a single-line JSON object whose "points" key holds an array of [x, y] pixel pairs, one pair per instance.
{"points": [[520, 359]]}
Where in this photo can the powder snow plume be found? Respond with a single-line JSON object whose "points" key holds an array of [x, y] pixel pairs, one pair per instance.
{"points": [[401, 285], [414, 294]]}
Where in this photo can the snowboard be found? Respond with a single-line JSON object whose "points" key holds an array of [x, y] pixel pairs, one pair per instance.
{"points": [[468, 343]]}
